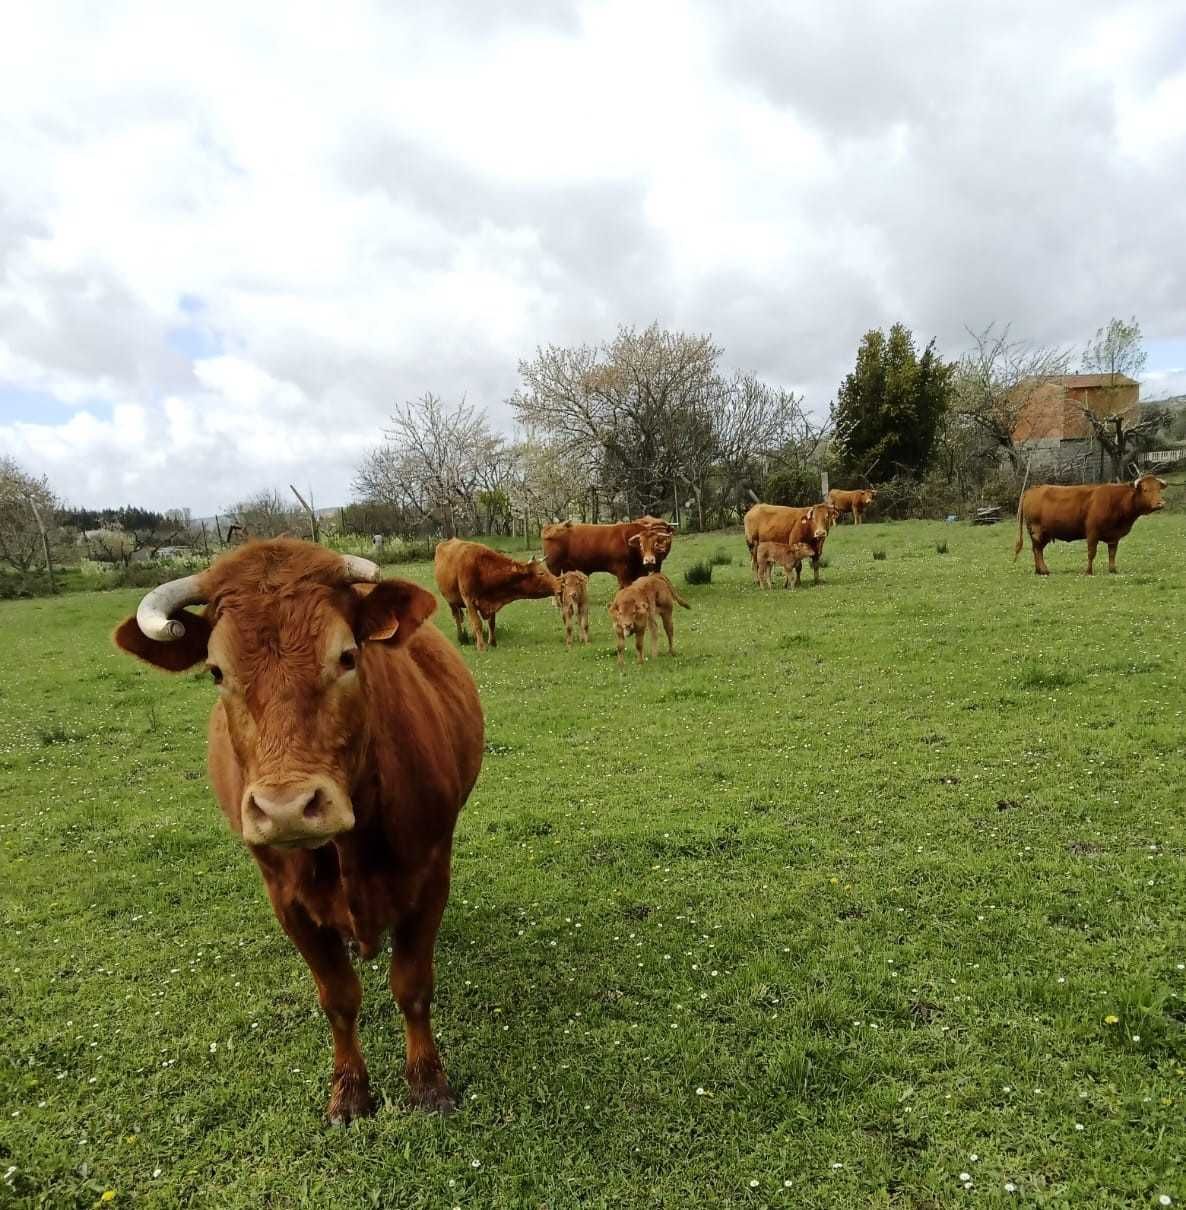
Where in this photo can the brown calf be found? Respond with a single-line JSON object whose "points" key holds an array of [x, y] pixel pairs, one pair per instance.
{"points": [[1101, 512], [481, 581], [572, 597], [638, 607], [345, 738], [789, 558]]}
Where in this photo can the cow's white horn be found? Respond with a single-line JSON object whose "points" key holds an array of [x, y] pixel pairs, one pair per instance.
{"points": [[152, 614], [358, 568]]}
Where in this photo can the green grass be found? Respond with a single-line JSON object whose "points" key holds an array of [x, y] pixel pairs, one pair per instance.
{"points": [[843, 895]]}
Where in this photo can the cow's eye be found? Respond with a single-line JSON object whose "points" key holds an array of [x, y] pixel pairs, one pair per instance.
{"points": [[215, 674], [347, 659]]}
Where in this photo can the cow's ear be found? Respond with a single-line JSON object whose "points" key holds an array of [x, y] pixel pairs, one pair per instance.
{"points": [[634, 538], [391, 611], [174, 656]]}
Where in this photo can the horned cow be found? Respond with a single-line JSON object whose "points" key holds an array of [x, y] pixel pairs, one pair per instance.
{"points": [[346, 736]]}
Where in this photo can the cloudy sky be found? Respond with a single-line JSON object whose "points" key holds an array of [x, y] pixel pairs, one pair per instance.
{"points": [[232, 236]]}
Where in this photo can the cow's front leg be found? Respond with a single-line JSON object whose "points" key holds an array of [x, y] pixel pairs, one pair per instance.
{"points": [[815, 568], [1092, 543], [585, 624], [1112, 549], [413, 940], [640, 634], [340, 994], [493, 636]]}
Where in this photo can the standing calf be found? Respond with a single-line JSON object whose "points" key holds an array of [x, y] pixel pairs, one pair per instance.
{"points": [[572, 596], [638, 607], [789, 558]]}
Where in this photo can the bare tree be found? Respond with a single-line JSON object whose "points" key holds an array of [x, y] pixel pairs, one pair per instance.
{"points": [[625, 407], [264, 515], [998, 379], [1121, 434], [21, 497], [434, 462]]}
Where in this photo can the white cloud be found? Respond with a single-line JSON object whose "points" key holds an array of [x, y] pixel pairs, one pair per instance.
{"points": [[386, 201]]}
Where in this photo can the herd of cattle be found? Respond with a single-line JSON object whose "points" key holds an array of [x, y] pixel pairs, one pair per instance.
{"points": [[347, 734]]}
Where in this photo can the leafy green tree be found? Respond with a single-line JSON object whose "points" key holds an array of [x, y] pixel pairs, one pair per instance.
{"points": [[890, 408], [1116, 349]]}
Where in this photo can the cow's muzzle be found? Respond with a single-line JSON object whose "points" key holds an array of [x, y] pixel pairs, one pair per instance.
{"points": [[300, 815]]}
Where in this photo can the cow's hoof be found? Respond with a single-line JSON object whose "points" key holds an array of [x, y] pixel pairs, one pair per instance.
{"points": [[433, 1098], [349, 1099]]}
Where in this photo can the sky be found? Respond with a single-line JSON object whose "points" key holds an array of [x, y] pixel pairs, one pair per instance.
{"points": [[233, 237]]}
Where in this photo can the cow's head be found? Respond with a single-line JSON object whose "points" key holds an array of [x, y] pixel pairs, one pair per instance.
{"points": [[533, 579], [653, 542], [1148, 489], [287, 636], [568, 589], [815, 523], [868, 495], [628, 614]]}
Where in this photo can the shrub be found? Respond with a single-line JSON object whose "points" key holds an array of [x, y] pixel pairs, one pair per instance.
{"points": [[879, 553], [699, 573], [940, 548], [720, 557]]}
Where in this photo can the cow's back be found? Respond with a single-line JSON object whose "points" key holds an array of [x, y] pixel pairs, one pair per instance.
{"points": [[587, 548], [772, 522]]}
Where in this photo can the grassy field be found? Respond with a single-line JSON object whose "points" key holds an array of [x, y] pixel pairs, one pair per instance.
{"points": [[873, 896]]}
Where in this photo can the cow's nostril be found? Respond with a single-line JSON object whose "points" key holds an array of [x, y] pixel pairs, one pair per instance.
{"points": [[254, 809], [313, 808]]}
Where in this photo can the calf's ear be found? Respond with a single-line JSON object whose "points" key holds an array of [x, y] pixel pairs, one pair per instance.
{"points": [[391, 611], [174, 656]]}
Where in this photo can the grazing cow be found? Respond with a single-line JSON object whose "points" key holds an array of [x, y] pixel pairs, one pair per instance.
{"points": [[346, 736], [637, 608], [481, 581], [789, 558], [572, 596], [782, 523], [627, 550], [854, 502], [1099, 512]]}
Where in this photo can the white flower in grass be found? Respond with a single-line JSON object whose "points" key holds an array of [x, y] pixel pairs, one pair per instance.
{"points": [[1010, 1187], [753, 1184], [965, 1176], [1165, 1200]]}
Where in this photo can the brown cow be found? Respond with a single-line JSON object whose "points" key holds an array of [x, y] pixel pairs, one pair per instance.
{"points": [[572, 597], [1099, 512], [854, 502], [627, 550], [789, 558], [481, 581], [637, 608], [786, 524], [345, 739]]}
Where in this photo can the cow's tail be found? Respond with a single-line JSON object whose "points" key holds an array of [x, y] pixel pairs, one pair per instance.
{"points": [[678, 599], [1020, 501]]}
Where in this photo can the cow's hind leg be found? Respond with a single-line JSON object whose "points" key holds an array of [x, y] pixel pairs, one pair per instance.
{"points": [[413, 940], [667, 626], [1038, 545], [475, 621], [459, 622], [1112, 549], [493, 636], [1092, 545], [340, 994]]}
